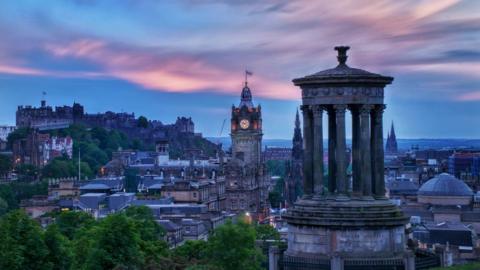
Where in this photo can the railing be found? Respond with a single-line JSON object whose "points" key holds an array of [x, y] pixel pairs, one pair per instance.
{"points": [[298, 263], [425, 259], [371, 264]]}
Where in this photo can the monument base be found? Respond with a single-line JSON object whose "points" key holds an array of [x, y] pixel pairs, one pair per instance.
{"points": [[345, 234]]}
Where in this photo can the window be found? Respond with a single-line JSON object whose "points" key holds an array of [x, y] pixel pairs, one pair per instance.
{"points": [[194, 194]]}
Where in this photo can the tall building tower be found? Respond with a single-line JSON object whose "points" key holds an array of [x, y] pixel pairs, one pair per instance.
{"points": [[246, 129], [391, 146], [338, 227], [246, 185], [294, 179], [297, 141]]}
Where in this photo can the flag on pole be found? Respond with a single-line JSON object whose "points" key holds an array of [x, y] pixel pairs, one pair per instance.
{"points": [[247, 73]]}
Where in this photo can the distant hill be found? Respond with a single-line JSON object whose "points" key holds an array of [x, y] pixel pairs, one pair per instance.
{"points": [[403, 144]]}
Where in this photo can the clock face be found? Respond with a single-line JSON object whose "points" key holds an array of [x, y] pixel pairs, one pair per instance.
{"points": [[244, 123]]}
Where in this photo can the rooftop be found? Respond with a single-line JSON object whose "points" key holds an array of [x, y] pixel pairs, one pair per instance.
{"points": [[445, 184]]}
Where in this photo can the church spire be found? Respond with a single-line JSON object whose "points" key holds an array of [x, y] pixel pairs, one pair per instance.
{"points": [[391, 147], [297, 120], [392, 131], [297, 132]]}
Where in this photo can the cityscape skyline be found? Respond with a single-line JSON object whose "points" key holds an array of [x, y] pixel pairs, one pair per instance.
{"points": [[74, 52]]}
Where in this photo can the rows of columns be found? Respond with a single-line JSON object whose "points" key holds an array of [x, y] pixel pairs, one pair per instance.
{"points": [[367, 150]]}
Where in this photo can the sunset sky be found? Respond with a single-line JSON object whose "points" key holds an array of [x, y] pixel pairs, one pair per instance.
{"points": [[164, 59]]}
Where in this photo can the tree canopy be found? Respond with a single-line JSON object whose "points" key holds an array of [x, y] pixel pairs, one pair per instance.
{"points": [[131, 239]]}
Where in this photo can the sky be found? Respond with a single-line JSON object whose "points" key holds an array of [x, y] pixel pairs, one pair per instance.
{"points": [[164, 59]]}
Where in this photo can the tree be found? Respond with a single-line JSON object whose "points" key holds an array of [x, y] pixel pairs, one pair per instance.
{"points": [[60, 255], [59, 168], [8, 195], [266, 232], [27, 172], [151, 233], [193, 251], [116, 244], [21, 243], [17, 134], [70, 222], [142, 122], [131, 179], [232, 246], [3, 207], [275, 198], [145, 223], [5, 166]]}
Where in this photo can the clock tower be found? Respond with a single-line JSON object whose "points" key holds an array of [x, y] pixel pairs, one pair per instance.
{"points": [[246, 129], [246, 184]]}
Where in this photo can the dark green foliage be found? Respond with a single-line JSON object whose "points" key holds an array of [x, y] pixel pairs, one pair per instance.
{"points": [[27, 172], [70, 222], [232, 246], [276, 167], [21, 243], [193, 251], [58, 168], [95, 146], [131, 179], [17, 134], [60, 254], [142, 122], [129, 240], [3, 207], [8, 195], [266, 232], [145, 223], [13, 193], [275, 198], [5, 165], [116, 243]]}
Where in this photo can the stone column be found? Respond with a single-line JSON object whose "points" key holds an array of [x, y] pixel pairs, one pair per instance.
{"points": [[340, 149], [365, 150], [274, 254], [332, 187], [357, 185], [378, 168], [308, 150], [317, 149]]}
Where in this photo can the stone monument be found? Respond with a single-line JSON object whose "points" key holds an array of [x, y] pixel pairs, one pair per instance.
{"points": [[334, 226]]}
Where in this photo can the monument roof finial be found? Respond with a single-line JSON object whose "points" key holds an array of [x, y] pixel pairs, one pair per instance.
{"points": [[342, 54]]}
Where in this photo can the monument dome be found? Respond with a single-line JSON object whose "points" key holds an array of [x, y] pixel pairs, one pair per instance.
{"points": [[445, 189]]}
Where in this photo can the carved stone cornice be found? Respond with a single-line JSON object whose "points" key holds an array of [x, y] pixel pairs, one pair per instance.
{"points": [[343, 91]]}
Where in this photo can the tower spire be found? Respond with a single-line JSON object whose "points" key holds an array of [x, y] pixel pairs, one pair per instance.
{"points": [[297, 120], [392, 131], [246, 96]]}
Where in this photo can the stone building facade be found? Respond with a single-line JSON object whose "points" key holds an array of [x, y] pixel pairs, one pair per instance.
{"points": [[246, 181], [38, 148]]}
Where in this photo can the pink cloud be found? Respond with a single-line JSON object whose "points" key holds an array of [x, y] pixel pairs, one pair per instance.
{"points": [[278, 42], [8, 69], [470, 96], [170, 72]]}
